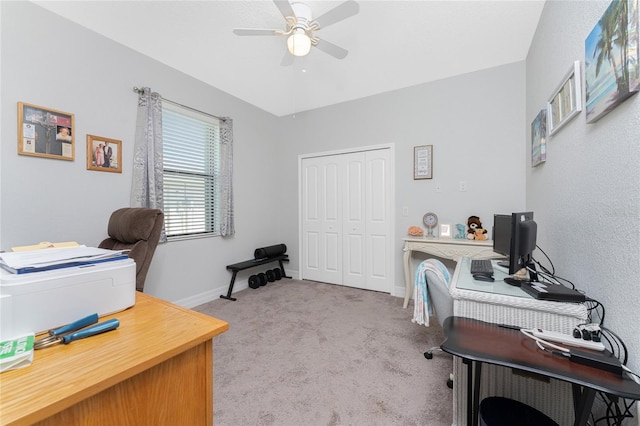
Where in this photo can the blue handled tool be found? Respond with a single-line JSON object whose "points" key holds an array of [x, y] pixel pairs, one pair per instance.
{"points": [[103, 327], [76, 325], [65, 334]]}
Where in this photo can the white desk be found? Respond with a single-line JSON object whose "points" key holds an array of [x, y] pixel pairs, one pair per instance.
{"points": [[501, 303], [446, 248]]}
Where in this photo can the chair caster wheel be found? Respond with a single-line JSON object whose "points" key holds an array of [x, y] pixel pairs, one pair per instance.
{"points": [[428, 355], [450, 383]]}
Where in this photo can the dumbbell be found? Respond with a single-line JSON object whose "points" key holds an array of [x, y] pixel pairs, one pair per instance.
{"points": [[278, 273], [271, 276], [254, 282], [262, 278]]}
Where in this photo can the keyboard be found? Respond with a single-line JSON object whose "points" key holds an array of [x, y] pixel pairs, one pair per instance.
{"points": [[481, 266]]}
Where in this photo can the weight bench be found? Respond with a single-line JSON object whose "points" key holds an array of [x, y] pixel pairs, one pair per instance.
{"points": [[236, 267]]}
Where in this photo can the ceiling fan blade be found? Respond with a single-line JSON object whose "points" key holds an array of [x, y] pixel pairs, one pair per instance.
{"points": [[284, 7], [256, 32], [338, 13], [331, 49]]}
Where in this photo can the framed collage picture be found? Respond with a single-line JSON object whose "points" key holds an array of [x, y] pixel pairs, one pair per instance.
{"points": [[45, 132]]}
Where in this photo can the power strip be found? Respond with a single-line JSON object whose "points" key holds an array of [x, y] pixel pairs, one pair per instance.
{"points": [[567, 339]]}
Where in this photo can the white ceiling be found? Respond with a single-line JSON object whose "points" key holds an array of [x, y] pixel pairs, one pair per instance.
{"points": [[391, 44]]}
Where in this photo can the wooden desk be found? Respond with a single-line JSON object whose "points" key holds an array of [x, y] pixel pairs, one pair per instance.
{"points": [[482, 342], [446, 248], [156, 368]]}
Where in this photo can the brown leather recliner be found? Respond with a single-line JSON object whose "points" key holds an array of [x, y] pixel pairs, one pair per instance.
{"points": [[138, 230]]}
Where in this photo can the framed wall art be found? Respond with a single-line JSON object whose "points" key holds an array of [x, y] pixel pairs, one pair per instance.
{"points": [[566, 100], [45, 132], [423, 162], [539, 139], [612, 71], [104, 154]]}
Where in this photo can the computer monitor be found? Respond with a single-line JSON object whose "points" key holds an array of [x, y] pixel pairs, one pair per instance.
{"points": [[515, 236], [502, 236]]}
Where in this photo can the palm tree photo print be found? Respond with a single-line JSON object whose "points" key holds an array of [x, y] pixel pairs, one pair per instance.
{"points": [[611, 67]]}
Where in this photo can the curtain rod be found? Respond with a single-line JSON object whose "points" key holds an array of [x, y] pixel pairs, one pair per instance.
{"points": [[139, 91]]}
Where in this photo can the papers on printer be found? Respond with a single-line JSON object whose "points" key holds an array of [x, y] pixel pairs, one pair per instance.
{"points": [[55, 258]]}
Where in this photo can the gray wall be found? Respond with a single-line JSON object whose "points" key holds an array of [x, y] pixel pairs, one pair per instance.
{"points": [[586, 197], [61, 65], [474, 122]]}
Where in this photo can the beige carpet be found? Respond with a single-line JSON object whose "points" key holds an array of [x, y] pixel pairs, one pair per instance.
{"points": [[307, 353]]}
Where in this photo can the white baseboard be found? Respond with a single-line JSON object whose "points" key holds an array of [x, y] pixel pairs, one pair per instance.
{"points": [[210, 295], [214, 294], [398, 291]]}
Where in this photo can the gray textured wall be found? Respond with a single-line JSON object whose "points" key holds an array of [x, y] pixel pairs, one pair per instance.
{"points": [[586, 197]]}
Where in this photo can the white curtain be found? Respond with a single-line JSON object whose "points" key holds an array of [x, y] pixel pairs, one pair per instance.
{"points": [[147, 184], [227, 227]]}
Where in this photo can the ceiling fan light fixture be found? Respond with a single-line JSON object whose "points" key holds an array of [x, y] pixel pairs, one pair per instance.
{"points": [[299, 43]]}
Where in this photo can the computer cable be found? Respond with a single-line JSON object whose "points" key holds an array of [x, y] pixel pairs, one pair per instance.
{"points": [[551, 276], [550, 273], [553, 269], [542, 344], [617, 409], [620, 349], [592, 306]]}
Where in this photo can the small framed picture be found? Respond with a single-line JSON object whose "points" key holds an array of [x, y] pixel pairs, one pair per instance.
{"points": [[566, 101], [104, 154], [45, 132], [423, 162], [445, 230]]}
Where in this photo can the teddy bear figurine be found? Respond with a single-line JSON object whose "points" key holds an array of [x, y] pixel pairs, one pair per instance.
{"points": [[475, 231]]}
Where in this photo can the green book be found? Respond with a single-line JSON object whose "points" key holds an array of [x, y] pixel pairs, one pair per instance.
{"points": [[17, 352]]}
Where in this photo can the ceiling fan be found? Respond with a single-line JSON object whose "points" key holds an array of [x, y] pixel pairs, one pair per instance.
{"points": [[301, 27]]}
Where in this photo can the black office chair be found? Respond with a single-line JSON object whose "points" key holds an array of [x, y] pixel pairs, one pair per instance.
{"points": [[499, 411]]}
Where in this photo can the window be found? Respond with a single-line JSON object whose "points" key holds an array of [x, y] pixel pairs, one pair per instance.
{"points": [[191, 148]]}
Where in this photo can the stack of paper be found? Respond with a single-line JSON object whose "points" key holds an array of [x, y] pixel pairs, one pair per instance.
{"points": [[45, 245], [44, 260]]}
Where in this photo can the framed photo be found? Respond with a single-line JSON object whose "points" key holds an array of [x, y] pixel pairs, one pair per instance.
{"points": [[423, 162], [104, 154], [45, 132], [539, 139], [445, 230], [566, 100], [612, 71]]}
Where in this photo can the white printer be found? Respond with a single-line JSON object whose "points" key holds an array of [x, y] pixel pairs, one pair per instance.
{"points": [[40, 301]]}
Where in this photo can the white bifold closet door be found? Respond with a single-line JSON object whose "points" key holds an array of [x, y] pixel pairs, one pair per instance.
{"points": [[346, 225]]}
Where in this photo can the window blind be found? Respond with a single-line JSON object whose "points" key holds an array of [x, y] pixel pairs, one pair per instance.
{"points": [[191, 163]]}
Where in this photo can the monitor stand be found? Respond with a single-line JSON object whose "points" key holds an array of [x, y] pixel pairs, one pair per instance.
{"points": [[514, 282], [533, 275]]}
